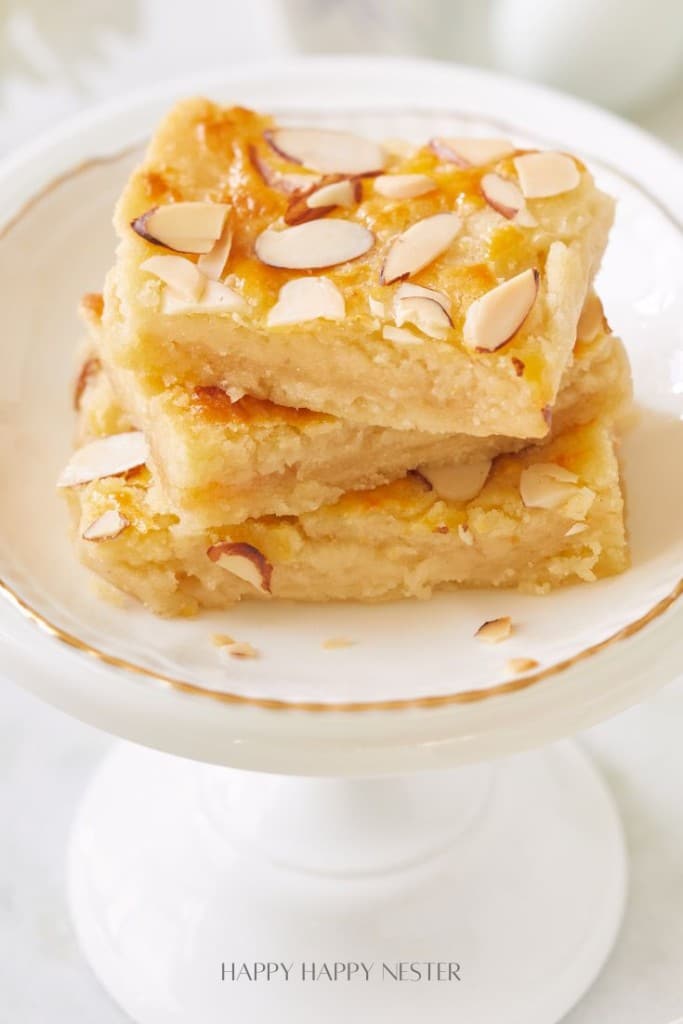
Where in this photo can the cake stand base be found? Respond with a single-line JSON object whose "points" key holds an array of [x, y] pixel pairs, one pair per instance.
{"points": [[487, 894]]}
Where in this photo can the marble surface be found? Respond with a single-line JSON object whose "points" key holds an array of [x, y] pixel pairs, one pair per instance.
{"points": [[52, 66]]}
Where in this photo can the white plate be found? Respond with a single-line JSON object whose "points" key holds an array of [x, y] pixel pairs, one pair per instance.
{"points": [[58, 245]]}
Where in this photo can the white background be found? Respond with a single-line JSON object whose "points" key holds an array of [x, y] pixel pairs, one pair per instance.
{"points": [[57, 57]]}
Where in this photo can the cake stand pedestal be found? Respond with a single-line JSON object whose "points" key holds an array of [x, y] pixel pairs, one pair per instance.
{"points": [[185, 875]]}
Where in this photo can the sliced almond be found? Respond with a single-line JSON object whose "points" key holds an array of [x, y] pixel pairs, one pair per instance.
{"points": [[307, 298], [456, 481], [516, 666], [506, 198], [283, 181], [419, 245], [181, 275], [321, 243], [400, 335], [576, 528], [546, 485], [408, 289], [471, 152], [404, 186], [212, 264], [495, 630], [377, 308], [107, 456], [592, 321], [327, 151], [183, 227], [546, 174], [108, 526], [465, 534], [319, 201], [427, 315], [216, 298], [244, 561], [89, 370], [495, 318]]}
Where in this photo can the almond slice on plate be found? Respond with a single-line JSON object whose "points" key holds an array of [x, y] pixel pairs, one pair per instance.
{"points": [[404, 186], [244, 561], [400, 335], [181, 275], [506, 198], [426, 314], [546, 174], [216, 298], [307, 298], [107, 456], [320, 243], [547, 485], [495, 318], [108, 526], [419, 245], [471, 152], [183, 227], [327, 151], [409, 290], [212, 263], [495, 630], [454, 481], [592, 320]]}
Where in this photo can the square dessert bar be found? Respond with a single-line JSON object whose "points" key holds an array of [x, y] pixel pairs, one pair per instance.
{"points": [[223, 457], [435, 290], [549, 515]]}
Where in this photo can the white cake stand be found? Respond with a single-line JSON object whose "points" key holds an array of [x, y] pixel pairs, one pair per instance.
{"points": [[394, 803]]}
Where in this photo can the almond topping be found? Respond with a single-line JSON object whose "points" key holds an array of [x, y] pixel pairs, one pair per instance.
{"points": [[576, 528], [322, 199], [546, 174], [419, 246], [400, 335], [495, 630], [181, 275], [212, 264], [456, 481], [408, 290], [404, 186], [465, 534], [216, 298], [592, 320], [183, 227], [506, 198], [89, 370], [107, 527], [244, 561], [471, 152], [495, 318], [546, 485], [376, 308], [307, 298], [516, 666], [107, 456], [327, 151], [427, 315], [321, 243], [282, 181]]}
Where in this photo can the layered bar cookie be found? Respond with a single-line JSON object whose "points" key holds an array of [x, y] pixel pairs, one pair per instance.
{"points": [[547, 516], [438, 290], [224, 457]]}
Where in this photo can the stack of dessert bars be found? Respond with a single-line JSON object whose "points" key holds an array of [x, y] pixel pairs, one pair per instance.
{"points": [[324, 368]]}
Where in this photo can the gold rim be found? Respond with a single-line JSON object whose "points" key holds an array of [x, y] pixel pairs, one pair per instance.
{"points": [[195, 689]]}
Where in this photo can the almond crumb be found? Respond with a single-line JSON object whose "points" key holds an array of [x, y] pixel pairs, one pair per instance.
{"points": [[241, 650], [495, 630], [336, 643], [222, 640], [515, 666]]}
